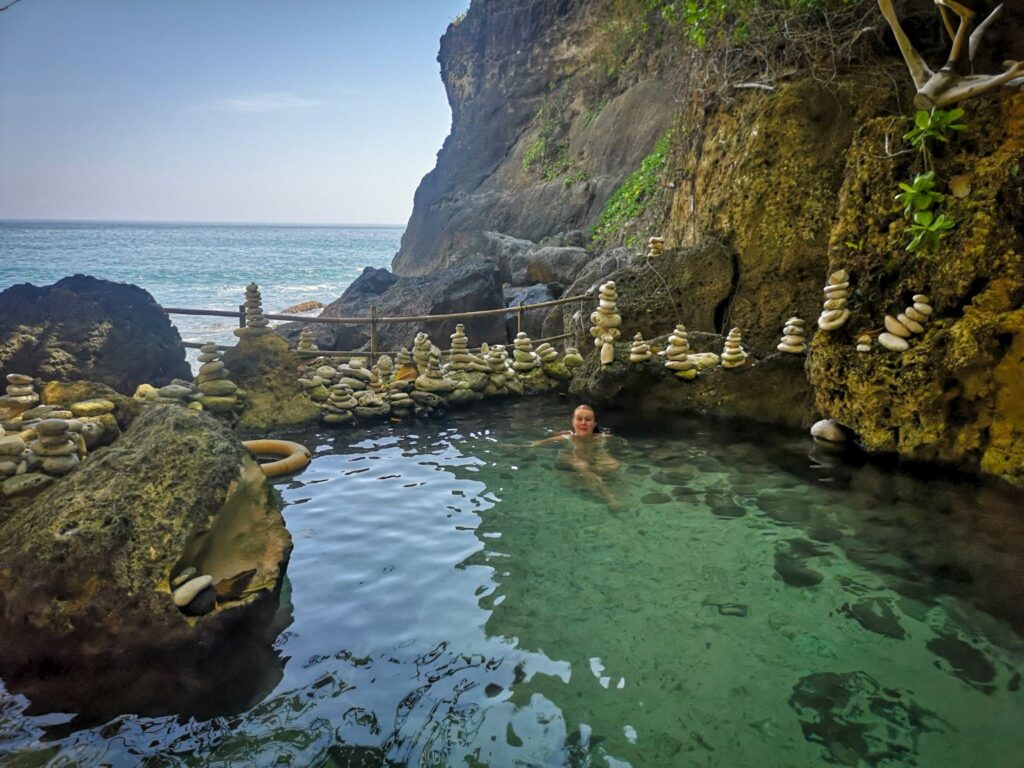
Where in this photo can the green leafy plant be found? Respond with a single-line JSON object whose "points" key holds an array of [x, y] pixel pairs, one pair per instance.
{"points": [[919, 195], [937, 125], [928, 230], [630, 200]]}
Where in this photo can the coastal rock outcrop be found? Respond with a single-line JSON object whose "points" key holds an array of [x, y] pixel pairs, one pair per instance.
{"points": [[86, 566], [84, 328], [264, 369]]}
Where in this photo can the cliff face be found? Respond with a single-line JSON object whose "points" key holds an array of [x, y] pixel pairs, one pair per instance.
{"points": [[765, 166], [537, 143]]}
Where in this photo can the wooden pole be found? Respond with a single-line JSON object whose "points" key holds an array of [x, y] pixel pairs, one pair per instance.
{"points": [[519, 318], [373, 333], [241, 315]]}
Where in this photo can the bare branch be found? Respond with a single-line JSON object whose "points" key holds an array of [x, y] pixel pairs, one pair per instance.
{"points": [[4, 8], [919, 71], [980, 31]]}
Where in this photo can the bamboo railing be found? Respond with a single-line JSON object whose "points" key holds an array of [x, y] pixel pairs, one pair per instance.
{"points": [[374, 321]]}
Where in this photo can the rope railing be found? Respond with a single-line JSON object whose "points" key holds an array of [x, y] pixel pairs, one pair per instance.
{"points": [[373, 321]]}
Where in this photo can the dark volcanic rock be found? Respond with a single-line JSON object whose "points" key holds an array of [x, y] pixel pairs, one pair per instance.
{"points": [[85, 570], [84, 328], [465, 287]]}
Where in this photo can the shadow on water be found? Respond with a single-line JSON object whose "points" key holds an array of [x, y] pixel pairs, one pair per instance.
{"points": [[459, 600]]}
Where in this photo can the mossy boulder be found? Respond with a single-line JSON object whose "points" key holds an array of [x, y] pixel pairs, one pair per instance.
{"points": [[774, 390], [956, 395], [266, 368], [85, 569]]}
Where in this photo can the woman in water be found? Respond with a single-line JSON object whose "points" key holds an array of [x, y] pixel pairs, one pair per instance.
{"points": [[586, 452]]}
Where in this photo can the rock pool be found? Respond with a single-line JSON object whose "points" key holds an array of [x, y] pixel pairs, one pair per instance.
{"points": [[453, 599]]}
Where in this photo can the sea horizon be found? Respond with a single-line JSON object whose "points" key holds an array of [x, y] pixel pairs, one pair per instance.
{"points": [[207, 223]]}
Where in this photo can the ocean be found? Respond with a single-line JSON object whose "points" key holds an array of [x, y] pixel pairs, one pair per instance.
{"points": [[201, 266]]}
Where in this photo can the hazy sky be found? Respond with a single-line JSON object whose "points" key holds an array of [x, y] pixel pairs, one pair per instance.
{"points": [[220, 110]]}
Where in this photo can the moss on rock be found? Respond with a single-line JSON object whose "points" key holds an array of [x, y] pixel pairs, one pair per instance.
{"points": [[266, 368]]}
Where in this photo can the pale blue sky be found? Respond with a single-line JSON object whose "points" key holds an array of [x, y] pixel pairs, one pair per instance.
{"points": [[292, 111]]}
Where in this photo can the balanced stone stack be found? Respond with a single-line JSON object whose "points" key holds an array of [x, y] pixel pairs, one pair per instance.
{"points": [[640, 352], [546, 353], [255, 323], [217, 393], [834, 313], [326, 373], [863, 343], [459, 358], [56, 446], [20, 394], [606, 322], [178, 392], [405, 368], [421, 348], [340, 406], [906, 324], [794, 337], [677, 354], [354, 374], [13, 455], [385, 370], [572, 358], [433, 380], [497, 360], [524, 358], [306, 343], [733, 355], [655, 245], [398, 385]]}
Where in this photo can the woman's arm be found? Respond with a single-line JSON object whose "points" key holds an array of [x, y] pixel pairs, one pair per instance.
{"points": [[553, 439]]}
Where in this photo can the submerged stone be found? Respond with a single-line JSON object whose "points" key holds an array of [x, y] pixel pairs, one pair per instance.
{"points": [[875, 615]]}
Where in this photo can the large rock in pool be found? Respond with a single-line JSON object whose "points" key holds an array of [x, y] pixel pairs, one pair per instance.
{"points": [[84, 328], [86, 612]]}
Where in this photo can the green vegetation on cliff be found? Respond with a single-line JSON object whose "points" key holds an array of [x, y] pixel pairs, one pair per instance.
{"points": [[630, 200]]}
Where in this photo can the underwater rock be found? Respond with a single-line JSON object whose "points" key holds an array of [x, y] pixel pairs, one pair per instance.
{"points": [[965, 661], [875, 615], [856, 720], [655, 498]]}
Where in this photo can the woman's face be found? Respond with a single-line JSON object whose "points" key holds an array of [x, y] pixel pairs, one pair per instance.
{"points": [[583, 421]]}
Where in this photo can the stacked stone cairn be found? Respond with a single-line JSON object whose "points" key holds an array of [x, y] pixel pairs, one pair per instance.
{"points": [[524, 359], [306, 343], [405, 368], [340, 406], [20, 394], [677, 354], [834, 313], [733, 355], [606, 322], [655, 245], [460, 358], [864, 343], [794, 337], [255, 323], [398, 389], [546, 353], [385, 368], [907, 324], [58, 447], [355, 375], [371, 402], [14, 455], [640, 352], [178, 392], [217, 393], [421, 348], [572, 359], [497, 361], [430, 387], [312, 383]]}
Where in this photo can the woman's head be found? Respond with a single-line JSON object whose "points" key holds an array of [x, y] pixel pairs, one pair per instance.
{"points": [[584, 420]]}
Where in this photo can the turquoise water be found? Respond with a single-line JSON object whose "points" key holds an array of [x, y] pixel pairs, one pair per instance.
{"points": [[201, 266], [454, 599]]}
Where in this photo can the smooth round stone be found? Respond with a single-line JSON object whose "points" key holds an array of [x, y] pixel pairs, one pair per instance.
{"points": [[19, 390], [49, 441], [92, 407], [208, 349], [795, 321], [863, 347], [831, 325], [60, 465], [793, 349], [65, 448], [833, 291], [795, 340], [174, 391], [326, 372], [828, 430], [687, 375], [924, 309], [912, 326], [20, 399], [25, 483], [218, 404], [208, 357], [8, 468], [74, 425], [18, 378], [835, 304], [184, 594], [354, 372], [913, 314], [794, 330], [893, 343], [51, 427], [12, 445], [896, 328], [218, 387], [920, 298], [184, 576], [221, 374], [840, 276], [212, 367]]}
